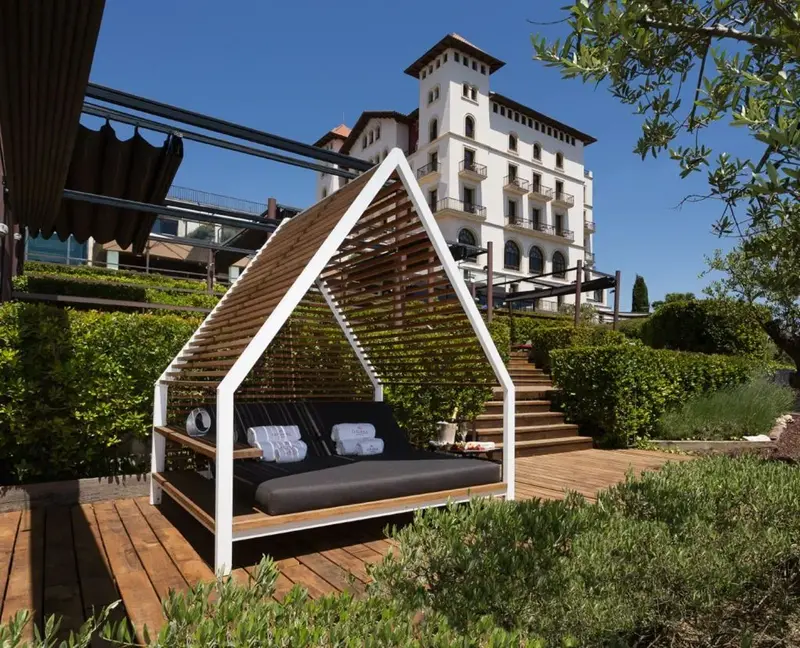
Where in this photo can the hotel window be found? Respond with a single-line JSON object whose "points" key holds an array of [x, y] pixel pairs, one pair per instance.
{"points": [[512, 172], [436, 93], [494, 107], [455, 57], [364, 141], [430, 96], [502, 111], [473, 93], [560, 160], [437, 63], [475, 65], [469, 127], [516, 117], [465, 90], [511, 211], [535, 260], [572, 141], [467, 237], [537, 181], [433, 129], [465, 61], [444, 58], [378, 132], [424, 74], [324, 193], [559, 265], [371, 137], [433, 199], [536, 126], [537, 152], [469, 199], [469, 158], [483, 69], [511, 256], [512, 142], [536, 217], [549, 131]]}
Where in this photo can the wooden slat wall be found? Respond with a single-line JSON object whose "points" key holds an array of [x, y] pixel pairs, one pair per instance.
{"points": [[388, 283]]}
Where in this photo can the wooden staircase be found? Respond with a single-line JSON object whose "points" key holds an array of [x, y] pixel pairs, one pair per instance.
{"points": [[539, 430]]}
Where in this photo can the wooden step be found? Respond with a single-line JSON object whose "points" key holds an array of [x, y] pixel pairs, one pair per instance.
{"points": [[495, 419], [533, 380], [526, 392], [526, 371], [520, 406], [536, 432], [546, 446]]}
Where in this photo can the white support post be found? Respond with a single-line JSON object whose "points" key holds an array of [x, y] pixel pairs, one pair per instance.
{"points": [[158, 445], [223, 510], [369, 369], [378, 397], [509, 450]]}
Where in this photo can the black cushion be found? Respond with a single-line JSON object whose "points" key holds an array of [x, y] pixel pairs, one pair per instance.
{"points": [[355, 482]]}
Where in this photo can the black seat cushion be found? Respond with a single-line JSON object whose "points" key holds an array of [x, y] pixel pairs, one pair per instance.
{"points": [[355, 482]]}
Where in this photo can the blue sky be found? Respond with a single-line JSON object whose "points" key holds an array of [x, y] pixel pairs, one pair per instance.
{"points": [[300, 68]]}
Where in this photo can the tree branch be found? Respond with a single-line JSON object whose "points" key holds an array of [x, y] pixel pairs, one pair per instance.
{"points": [[714, 31], [784, 13], [699, 84]]}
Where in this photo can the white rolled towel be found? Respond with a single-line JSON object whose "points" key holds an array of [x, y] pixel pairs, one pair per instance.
{"points": [[346, 431], [271, 450], [370, 447], [348, 447], [291, 452], [265, 433]]}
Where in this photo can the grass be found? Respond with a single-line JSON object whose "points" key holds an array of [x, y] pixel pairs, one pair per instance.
{"points": [[746, 410]]}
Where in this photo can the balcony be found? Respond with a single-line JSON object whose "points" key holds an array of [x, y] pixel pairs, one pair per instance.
{"points": [[588, 258], [588, 226], [518, 222], [540, 192], [428, 173], [516, 185], [564, 199], [471, 170], [456, 207]]}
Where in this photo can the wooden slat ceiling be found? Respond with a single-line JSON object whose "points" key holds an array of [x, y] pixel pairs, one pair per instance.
{"points": [[387, 282]]}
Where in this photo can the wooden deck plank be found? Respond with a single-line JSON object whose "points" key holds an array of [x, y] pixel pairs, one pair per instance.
{"points": [[62, 593], [9, 525], [141, 601], [303, 576], [282, 587], [349, 563], [332, 573], [26, 577], [192, 567]]}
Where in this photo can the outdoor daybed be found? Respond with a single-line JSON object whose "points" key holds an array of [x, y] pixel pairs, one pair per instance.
{"points": [[355, 294]]}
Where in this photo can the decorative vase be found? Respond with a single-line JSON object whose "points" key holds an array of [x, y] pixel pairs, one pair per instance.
{"points": [[446, 432]]}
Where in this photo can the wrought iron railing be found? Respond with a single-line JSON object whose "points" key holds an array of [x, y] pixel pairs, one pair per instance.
{"points": [[473, 167], [206, 199], [460, 205], [516, 181], [588, 226], [538, 226], [565, 198], [431, 167], [539, 188]]}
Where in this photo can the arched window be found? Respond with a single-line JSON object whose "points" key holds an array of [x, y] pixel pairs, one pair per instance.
{"points": [[433, 129], [535, 260], [469, 127], [467, 237], [559, 265], [511, 256], [512, 142], [560, 160], [537, 152]]}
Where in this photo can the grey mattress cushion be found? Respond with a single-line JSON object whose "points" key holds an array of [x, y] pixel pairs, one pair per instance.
{"points": [[366, 481]]}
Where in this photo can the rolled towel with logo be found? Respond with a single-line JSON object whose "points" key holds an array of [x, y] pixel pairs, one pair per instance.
{"points": [[272, 433], [369, 447], [271, 449], [198, 423], [291, 452], [348, 447], [346, 431]]}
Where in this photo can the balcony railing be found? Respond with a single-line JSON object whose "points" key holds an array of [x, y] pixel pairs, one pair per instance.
{"points": [[432, 167], [537, 226], [470, 166], [515, 182], [588, 226], [546, 193], [459, 205], [564, 198], [588, 258]]}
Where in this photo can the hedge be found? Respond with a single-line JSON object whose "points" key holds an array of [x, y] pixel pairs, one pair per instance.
{"points": [[106, 274], [619, 392], [82, 287], [707, 326], [546, 339], [700, 553], [76, 387]]}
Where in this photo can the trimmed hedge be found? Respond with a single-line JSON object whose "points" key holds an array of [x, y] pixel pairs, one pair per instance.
{"points": [[77, 386], [84, 287], [707, 326], [701, 553], [618, 393], [546, 339]]}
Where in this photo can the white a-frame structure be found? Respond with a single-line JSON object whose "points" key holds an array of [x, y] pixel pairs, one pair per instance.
{"points": [[368, 263]]}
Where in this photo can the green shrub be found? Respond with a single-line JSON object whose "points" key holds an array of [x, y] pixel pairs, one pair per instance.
{"points": [[77, 385], [123, 276], [618, 393], [702, 553], [545, 339], [83, 287], [707, 326], [501, 335], [632, 328], [227, 613], [731, 413]]}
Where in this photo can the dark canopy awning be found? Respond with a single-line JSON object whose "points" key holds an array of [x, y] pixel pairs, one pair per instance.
{"points": [[132, 169]]}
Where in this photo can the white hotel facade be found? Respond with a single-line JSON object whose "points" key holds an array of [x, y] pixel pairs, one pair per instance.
{"points": [[492, 169]]}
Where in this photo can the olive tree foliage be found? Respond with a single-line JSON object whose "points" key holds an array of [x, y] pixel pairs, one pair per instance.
{"points": [[685, 65]]}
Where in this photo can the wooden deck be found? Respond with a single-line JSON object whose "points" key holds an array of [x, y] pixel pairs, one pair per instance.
{"points": [[69, 560]]}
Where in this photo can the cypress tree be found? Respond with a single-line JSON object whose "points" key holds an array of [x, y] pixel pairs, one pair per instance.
{"points": [[640, 302]]}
